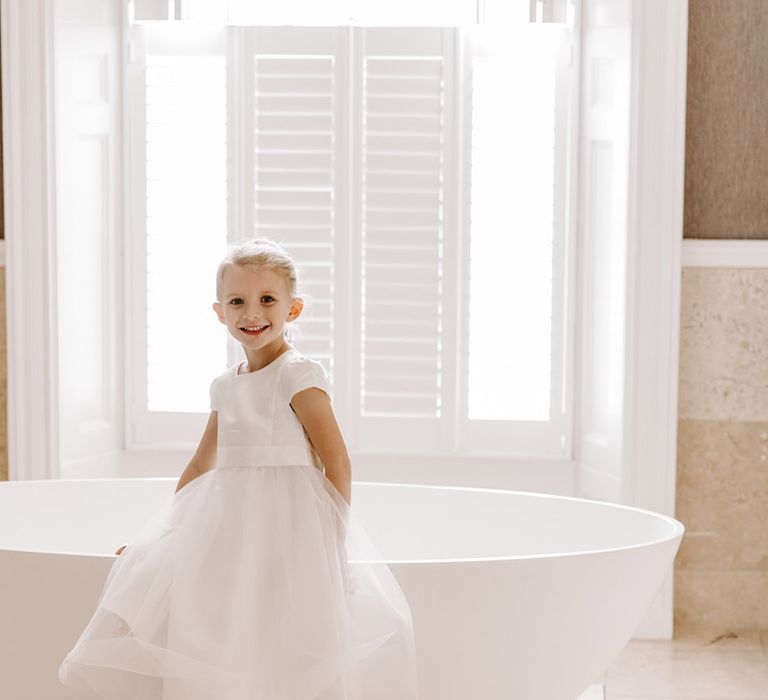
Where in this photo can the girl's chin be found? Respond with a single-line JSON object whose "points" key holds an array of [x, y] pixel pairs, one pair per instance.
{"points": [[265, 338]]}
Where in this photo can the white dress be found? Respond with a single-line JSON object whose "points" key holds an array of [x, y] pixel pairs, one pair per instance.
{"points": [[255, 581]]}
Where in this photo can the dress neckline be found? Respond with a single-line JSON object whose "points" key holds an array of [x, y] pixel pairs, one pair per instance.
{"points": [[264, 368]]}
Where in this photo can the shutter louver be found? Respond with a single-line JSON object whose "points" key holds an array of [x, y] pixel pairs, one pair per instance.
{"points": [[294, 176], [402, 235]]}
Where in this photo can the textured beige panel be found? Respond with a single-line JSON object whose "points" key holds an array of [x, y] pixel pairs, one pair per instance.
{"points": [[722, 496], [724, 344], [726, 169]]}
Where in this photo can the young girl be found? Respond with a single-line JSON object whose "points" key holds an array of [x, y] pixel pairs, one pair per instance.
{"points": [[255, 581]]}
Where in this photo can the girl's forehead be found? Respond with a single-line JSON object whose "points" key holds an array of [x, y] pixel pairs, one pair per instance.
{"points": [[237, 278]]}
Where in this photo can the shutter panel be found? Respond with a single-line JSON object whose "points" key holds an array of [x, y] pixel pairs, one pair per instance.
{"points": [[185, 139], [294, 120], [516, 313], [405, 76], [512, 228]]}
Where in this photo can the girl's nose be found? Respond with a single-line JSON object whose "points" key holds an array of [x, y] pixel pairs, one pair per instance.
{"points": [[252, 318], [251, 313]]}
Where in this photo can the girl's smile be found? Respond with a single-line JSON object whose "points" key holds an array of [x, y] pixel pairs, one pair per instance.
{"points": [[255, 330]]}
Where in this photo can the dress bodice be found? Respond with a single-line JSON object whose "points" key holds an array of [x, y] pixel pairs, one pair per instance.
{"points": [[256, 424]]}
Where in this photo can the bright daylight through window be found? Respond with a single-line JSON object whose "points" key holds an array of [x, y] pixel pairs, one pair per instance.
{"points": [[414, 164]]}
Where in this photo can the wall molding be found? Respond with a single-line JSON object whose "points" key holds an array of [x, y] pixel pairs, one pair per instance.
{"points": [[30, 216], [627, 437], [660, 47], [724, 252]]}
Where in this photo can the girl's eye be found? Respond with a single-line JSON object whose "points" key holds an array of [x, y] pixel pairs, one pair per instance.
{"points": [[234, 300], [267, 298]]}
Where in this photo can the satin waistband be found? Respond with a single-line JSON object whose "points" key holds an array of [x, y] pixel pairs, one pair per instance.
{"points": [[267, 455]]}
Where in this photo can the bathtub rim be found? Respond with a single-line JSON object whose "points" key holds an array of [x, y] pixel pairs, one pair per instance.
{"points": [[678, 529]]}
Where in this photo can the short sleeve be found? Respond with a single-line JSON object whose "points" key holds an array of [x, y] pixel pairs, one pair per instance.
{"points": [[304, 373], [214, 394]]}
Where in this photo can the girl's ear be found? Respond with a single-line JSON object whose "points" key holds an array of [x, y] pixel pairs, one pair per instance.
{"points": [[219, 312], [296, 306]]}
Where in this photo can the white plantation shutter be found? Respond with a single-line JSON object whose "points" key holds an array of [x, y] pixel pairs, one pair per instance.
{"points": [[516, 355], [293, 122], [401, 235], [406, 81], [352, 148]]}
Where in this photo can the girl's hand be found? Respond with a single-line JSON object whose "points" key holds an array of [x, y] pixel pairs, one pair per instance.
{"points": [[349, 577], [120, 549]]}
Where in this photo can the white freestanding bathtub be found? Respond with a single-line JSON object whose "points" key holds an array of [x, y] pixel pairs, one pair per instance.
{"points": [[514, 595]]}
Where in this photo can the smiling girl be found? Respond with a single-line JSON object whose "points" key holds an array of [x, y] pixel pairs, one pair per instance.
{"points": [[256, 580]]}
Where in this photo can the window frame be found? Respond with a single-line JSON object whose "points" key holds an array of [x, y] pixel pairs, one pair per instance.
{"points": [[452, 432], [654, 232]]}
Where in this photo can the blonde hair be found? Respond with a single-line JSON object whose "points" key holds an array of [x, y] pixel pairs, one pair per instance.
{"points": [[257, 253]]}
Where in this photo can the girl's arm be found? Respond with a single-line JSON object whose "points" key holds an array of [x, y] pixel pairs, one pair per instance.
{"points": [[314, 410], [204, 458]]}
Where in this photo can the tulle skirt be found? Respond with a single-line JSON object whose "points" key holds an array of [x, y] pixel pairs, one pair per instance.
{"points": [[250, 583]]}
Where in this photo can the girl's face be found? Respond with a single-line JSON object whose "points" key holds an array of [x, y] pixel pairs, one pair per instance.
{"points": [[255, 306]]}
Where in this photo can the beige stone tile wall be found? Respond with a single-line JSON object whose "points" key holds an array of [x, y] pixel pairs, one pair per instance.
{"points": [[721, 571]]}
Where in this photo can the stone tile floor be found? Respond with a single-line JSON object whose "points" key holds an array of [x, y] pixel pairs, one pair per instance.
{"points": [[697, 664]]}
